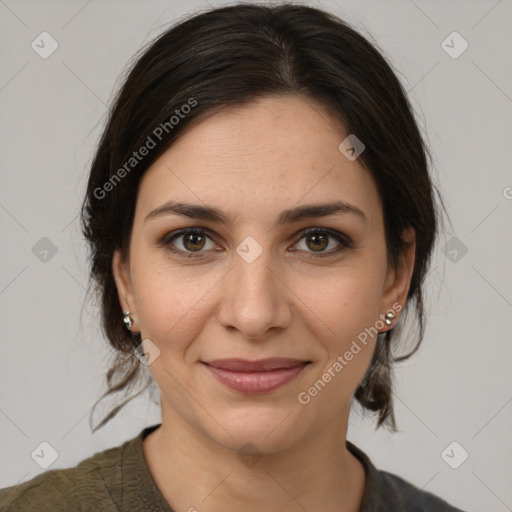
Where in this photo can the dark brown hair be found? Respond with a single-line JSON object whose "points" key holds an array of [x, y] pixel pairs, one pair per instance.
{"points": [[234, 55]]}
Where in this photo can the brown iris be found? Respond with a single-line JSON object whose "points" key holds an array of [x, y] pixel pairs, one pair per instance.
{"points": [[192, 241], [319, 241]]}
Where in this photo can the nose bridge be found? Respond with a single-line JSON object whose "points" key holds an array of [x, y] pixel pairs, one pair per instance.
{"points": [[254, 277], [255, 300]]}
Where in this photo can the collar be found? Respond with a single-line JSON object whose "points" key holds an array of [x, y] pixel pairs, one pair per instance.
{"points": [[136, 475]]}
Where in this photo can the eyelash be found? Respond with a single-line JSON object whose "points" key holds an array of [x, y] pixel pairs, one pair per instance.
{"points": [[345, 242]]}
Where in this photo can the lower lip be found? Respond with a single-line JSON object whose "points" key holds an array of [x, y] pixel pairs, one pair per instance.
{"points": [[256, 382]]}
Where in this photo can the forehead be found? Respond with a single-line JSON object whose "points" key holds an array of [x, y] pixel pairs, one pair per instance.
{"points": [[259, 159]]}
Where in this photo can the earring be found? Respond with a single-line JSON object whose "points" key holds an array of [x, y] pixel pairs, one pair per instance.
{"points": [[389, 316], [128, 322]]}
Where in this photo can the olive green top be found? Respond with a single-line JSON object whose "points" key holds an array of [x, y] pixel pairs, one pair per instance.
{"points": [[118, 480]]}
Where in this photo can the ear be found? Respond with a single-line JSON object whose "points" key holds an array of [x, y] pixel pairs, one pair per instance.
{"points": [[398, 280], [121, 272]]}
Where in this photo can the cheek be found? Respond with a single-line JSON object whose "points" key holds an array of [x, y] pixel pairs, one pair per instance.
{"points": [[170, 300], [343, 309], [346, 300]]}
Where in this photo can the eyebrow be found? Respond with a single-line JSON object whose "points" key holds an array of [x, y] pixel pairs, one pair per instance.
{"points": [[211, 213]]}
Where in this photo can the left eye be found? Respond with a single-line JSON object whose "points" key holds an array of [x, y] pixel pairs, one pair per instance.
{"points": [[318, 240], [195, 240]]}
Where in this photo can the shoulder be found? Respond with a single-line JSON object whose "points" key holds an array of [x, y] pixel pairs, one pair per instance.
{"points": [[407, 496], [387, 492], [68, 489], [51, 490]]}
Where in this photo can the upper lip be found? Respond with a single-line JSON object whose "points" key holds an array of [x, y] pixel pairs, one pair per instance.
{"points": [[244, 365]]}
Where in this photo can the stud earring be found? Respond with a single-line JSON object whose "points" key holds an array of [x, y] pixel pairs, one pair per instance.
{"points": [[389, 317], [128, 322]]}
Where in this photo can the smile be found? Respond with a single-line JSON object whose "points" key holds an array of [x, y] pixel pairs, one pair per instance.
{"points": [[250, 378]]}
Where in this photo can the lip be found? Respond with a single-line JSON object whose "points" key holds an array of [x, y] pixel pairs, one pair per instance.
{"points": [[245, 365], [253, 377]]}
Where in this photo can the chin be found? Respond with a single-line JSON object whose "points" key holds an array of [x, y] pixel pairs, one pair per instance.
{"points": [[265, 431]]}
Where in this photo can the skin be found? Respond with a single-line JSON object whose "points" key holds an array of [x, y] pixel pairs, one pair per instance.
{"points": [[253, 162]]}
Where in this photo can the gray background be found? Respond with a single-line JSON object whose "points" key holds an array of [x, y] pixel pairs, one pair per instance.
{"points": [[457, 388]]}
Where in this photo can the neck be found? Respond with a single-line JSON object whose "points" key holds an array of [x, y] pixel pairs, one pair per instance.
{"points": [[195, 473]]}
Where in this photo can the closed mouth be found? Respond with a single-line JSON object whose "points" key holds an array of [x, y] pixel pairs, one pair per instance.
{"points": [[261, 365]]}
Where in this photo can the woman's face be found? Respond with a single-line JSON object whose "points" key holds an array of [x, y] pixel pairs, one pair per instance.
{"points": [[254, 286]]}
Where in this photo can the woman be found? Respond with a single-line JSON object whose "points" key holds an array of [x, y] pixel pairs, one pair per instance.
{"points": [[261, 216]]}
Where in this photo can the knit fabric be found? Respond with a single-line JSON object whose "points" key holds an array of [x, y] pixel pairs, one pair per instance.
{"points": [[118, 480]]}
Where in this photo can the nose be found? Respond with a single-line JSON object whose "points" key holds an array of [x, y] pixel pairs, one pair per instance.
{"points": [[255, 298]]}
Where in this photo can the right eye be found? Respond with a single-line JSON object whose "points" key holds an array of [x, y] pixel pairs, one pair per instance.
{"points": [[192, 240]]}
